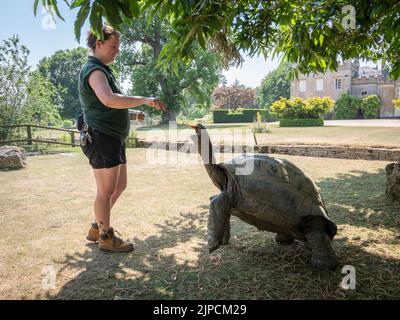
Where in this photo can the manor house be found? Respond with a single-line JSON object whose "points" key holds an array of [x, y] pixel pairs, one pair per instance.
{"points": [[352, 79]]}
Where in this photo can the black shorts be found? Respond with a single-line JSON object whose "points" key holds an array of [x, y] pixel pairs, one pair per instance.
{"points": [[104, 151]]}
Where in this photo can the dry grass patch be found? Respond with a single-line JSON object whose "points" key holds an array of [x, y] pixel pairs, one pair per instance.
{"points": [[46, 210]]}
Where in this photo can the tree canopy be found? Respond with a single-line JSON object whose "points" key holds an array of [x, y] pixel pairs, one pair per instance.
{"points": [[62, 68], [234, 97], [25, 96], [312, 34], [274, 86], [141, 45]]}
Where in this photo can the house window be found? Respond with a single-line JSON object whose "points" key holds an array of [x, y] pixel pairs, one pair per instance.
{"points": [[302, 85], [320, 84], [398, 93], [364, 93], [338, 84]]}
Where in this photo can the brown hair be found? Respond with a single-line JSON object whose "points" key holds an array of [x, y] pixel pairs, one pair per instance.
{"points": [[108, 32]]}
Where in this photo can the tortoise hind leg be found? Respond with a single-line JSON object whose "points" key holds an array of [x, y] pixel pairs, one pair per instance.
{"points": [[283, 238], [323, 257], [218, 221]]}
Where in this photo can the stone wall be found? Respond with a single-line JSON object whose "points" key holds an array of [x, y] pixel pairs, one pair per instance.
{"points": [[338, 152]]}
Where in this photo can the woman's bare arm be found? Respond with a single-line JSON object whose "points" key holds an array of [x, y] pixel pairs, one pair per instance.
{"points": [[98, 82]]}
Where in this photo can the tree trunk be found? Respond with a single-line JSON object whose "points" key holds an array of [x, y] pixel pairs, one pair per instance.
{"points": [[168, 116], [393, 181]]}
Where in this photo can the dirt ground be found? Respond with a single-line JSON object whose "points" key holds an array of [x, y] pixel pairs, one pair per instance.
{"points": [[46, 210]]}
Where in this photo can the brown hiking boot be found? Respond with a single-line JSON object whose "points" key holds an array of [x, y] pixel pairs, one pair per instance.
{"points": [[110, 242], [93, 234]]}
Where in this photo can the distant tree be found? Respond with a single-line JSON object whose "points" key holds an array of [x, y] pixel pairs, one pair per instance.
{"points": [[276, 84], [62, 68], [14, 77], [44, 103], [142, 44], [234, 97], [25, 96]]}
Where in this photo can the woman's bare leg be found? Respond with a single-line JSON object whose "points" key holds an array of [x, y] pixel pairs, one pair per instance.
{"points": [[121, 184], [106, 181]]}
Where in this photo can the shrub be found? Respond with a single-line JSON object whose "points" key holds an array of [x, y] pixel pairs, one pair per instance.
{"points": [[351, 107], [396, 103], [131, 142], [67, 123], [66, 137], [347, 107], [312, 122], [318, 107], [298, 108], [370, 106]]}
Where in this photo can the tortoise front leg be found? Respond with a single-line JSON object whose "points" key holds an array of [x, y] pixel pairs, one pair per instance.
{"points": [[227, 234], [323, 257], [218, 221]]}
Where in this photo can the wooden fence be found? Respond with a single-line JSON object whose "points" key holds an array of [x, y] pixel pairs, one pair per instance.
{"points": [[74, 142]]}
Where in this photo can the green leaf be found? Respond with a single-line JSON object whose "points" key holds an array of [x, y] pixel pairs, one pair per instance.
{"points": [[81, 18], [200, 38], [134, 8], [35, 5], [54, 7], [96, 21], [76, 4], [321, 39], [111, 13]]}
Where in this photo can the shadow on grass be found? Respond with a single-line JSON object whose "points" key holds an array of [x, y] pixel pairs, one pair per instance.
{"points": [[358, 198], [252, 266]]}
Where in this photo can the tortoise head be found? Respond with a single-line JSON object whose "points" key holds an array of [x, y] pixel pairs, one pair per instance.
{"points": [[198, 128]]}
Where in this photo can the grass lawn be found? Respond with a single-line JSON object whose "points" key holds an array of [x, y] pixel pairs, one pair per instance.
{"points": [[46, 210], [346, 136]]}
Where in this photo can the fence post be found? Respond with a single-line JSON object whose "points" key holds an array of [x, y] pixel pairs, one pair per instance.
{"points": [[29, 131], [72, 139]]}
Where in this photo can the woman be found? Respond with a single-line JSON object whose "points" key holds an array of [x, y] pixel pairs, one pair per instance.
{"points": [[107, 116]]}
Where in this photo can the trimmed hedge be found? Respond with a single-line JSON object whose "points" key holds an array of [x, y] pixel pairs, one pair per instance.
{"points": [[314, 122], [245, 115]]}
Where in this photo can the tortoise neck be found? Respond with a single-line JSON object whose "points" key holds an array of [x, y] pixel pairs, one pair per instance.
{"points": [[205, 150]]}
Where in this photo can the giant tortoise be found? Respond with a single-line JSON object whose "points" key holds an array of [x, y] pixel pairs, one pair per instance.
{"points": [[274, 195]]}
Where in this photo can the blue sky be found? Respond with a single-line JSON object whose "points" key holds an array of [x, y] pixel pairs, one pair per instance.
{"points": [[42, 40]]}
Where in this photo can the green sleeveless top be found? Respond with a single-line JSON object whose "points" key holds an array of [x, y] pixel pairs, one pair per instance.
{"points": [[114, 122]]}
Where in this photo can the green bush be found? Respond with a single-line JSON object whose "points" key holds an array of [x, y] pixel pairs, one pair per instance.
{"points": [[298, 108], [67, 123], [66, 137], [396, 103], [347, 107], [371, 106], [311, 122], [351, 107], [131, 141]]}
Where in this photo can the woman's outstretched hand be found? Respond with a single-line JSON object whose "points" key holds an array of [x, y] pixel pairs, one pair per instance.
{"points": [[157, 104]]}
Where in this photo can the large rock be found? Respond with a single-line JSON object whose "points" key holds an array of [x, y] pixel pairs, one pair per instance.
{"points": [[12, 157], [393, 180]]}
